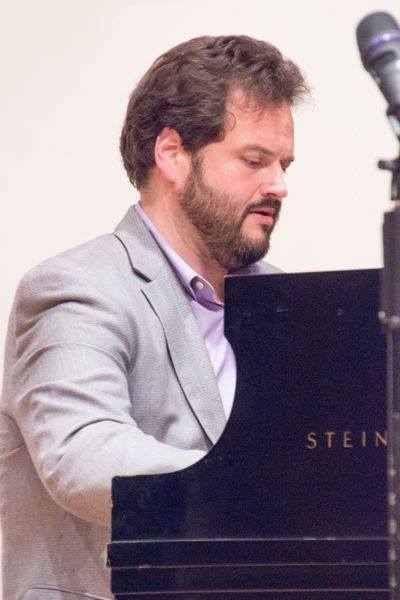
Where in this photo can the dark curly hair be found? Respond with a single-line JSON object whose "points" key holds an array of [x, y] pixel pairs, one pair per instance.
{"points": [[186, 89]]}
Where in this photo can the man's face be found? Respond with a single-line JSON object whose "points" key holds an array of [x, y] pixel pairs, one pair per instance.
{"points": [[234, 190]]}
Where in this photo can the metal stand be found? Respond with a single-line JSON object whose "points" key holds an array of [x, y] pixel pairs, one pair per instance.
{"points": [[390, 318]]}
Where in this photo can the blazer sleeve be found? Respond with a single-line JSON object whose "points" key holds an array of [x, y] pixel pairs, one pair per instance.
{"points": [[70, 394]]}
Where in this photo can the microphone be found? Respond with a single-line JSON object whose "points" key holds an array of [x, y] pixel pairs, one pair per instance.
{"points": [[378, 38]]}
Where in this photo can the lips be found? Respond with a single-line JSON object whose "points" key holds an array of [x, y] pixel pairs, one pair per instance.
{"points": [[265, 214], [269, 212]]}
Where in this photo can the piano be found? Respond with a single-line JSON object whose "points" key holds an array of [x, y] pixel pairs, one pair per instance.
{"points": [[291, 502]]}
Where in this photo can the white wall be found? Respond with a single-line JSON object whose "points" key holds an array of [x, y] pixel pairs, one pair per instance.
{"points": [[68, 67]]}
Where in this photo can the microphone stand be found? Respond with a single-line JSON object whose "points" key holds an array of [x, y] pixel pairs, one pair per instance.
{"points": [[390, 318]]}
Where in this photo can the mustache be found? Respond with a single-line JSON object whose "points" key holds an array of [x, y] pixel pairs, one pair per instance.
{"points": [[267, 202]]}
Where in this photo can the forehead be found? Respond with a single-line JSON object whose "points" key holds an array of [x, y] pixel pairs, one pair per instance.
{"points": [[246, 117]]}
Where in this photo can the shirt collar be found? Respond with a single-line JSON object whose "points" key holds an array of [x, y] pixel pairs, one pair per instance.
{"points": [[196, 286]]}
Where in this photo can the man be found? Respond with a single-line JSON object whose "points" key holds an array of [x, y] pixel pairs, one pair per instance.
{"points": [[116, 361]]}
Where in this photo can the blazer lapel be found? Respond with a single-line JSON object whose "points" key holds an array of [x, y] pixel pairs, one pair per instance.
{"points": [[188, 351]]}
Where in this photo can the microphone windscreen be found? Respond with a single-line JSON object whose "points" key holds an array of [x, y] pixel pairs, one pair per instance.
{"points": [[372, 30]]}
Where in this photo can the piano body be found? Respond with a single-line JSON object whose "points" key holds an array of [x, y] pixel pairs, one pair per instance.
{"points": [[291, 501]]}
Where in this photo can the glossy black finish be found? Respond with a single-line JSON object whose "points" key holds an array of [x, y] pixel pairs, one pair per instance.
{"points": [[362, 594], [257, 515], [244, 551]]}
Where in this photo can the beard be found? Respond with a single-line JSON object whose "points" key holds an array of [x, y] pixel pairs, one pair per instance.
{"points": [[219, 223]]}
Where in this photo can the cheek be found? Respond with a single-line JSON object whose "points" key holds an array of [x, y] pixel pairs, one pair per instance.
{"points": [[229, 175], [219, 175], [232, 179]]}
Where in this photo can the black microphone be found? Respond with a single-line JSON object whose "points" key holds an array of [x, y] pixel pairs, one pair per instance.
{"points": [[378, 38]]}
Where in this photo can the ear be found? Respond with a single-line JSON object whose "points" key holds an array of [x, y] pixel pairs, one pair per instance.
{"points": [[170, 157]]}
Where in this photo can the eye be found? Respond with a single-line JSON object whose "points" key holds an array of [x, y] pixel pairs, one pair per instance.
{"points": [[285, 166], [252, 163]]}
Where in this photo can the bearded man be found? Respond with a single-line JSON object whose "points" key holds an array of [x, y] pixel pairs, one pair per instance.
{"points": [[116, 360]]}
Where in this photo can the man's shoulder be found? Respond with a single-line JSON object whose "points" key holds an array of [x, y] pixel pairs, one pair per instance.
{"points": [[98, 267], [100, 253], [260, 267], [87, 294], [268, 268]]}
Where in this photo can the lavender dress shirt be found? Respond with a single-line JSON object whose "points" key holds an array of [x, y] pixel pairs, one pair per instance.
{"points": [[209, 313]]}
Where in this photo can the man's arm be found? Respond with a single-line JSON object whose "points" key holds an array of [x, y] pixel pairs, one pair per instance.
{"points": [[71, 398]]}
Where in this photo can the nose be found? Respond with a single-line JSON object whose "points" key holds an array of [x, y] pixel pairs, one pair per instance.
{"points": [[273, 183]]}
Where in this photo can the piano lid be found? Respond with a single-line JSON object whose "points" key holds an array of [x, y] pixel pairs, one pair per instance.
{"points": [[304, 452]]}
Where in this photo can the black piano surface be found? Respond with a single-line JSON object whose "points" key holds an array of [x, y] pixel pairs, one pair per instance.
{"points": [[291, 501]]}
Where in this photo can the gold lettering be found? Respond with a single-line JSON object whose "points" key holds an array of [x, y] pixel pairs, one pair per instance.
{"points": [[347, 439], [329, 436], [312, 442], [380, 439]]}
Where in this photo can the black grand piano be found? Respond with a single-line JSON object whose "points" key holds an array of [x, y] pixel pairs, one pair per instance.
{"points": [[291, 502]]}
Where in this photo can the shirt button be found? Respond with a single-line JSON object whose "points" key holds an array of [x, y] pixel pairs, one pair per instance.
{"points": [[199, 285]]}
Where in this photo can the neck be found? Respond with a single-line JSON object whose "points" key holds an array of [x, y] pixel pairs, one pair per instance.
{"points": [[184, 238]]}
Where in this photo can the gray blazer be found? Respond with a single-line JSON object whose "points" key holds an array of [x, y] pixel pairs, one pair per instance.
{"points": [[106, 373]]}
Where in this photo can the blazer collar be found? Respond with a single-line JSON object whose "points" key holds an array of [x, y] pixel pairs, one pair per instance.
{"points": [[145, 255], [170, 302]]}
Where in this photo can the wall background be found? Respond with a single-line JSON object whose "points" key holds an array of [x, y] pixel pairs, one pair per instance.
{"points": [[68, 69]]}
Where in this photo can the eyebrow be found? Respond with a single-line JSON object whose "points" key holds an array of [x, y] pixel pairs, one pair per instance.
{"points": [[263, 150]]}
